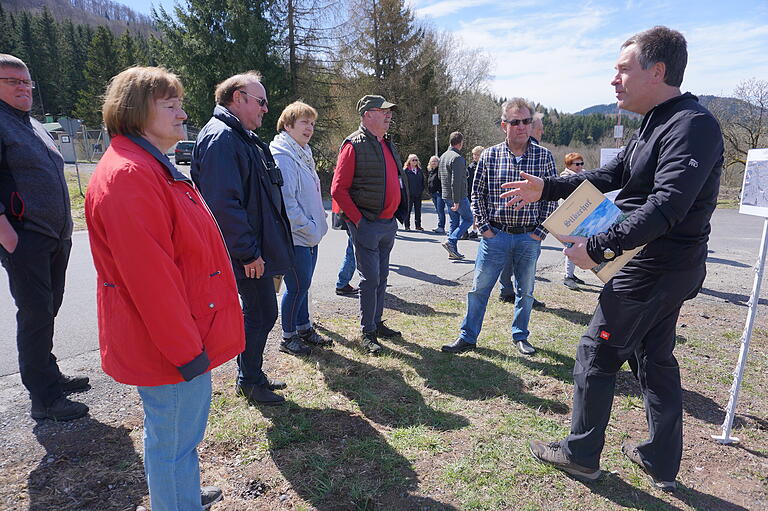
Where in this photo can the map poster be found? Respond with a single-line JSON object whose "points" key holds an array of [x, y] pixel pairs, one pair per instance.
{"points": [[754, 192]]}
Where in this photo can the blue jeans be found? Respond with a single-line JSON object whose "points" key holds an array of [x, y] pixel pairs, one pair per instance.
{"points": [[174, 423], [439, 203], [347, 269], [505, 280], [373, 243], [461, 218], [492, 255], [294, 308]]}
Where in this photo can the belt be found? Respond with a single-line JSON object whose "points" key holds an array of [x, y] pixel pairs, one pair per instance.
{"points": [[517, 229]]}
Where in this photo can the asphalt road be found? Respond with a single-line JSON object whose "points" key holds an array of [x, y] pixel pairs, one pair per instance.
{"points": [[417, 259]]}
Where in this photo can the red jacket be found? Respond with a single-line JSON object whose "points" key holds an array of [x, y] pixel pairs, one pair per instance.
{"points": [[167, 300]]}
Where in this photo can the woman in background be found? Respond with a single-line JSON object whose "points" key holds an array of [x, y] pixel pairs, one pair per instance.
{"points": [[416, 189], [574, 163], [167, 302], [304, 205], [435, 189]]}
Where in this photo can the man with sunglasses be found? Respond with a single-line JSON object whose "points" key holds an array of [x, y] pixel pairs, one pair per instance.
{"points": [[508, 236], [35, 241], [370, 191], [240, 182]]}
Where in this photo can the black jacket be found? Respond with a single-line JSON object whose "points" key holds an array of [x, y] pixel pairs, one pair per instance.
{"points": [[433, 181], [669, 175], [241, 184], [415, 182]]}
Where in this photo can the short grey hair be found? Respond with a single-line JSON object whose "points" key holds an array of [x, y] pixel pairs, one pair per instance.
{"points": [[515, 104], [662, 44], [7, 60], [226, 90]]}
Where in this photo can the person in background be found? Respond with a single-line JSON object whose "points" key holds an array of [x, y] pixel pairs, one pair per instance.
{"points": [[453, 177], [35, 241], [167, 300], [416, 188], [435, 189], [574, 163], [476, 152], [238, 177], [304, 206]]}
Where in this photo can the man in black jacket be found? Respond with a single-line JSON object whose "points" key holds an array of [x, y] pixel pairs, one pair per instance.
{"points": [[35, 241], [669, 175], [241, 184]]}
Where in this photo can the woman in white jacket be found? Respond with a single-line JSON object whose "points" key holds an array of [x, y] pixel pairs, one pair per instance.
{"points": [[304, 205]]}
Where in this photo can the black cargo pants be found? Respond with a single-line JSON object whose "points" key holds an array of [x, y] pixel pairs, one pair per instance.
{"points": [[634, 321], [36, 274]]}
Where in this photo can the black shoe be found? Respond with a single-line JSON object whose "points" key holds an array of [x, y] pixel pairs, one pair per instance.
{"points": [[570, 283], [553, 454], [347, 290], [439, 230], [473, 235], [458, 346], [276, 384], [74, 383], [383, 330], [629, 450], [525, 347], [209, 495], [507, 298], [539, 305], [371, 343], [295, 346], [259, 394], [62, 409], [312, 337], [453, 252], [577, 280]]}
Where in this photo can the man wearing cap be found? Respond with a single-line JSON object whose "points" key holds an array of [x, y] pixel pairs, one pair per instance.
{"points": [[370, 190]]}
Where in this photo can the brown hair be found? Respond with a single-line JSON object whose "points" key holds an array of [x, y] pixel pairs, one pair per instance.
{"points": [[129, 96], [515, 104], [662, 44], [456, 138], [293, 112], [572, 157], [226, 89]]}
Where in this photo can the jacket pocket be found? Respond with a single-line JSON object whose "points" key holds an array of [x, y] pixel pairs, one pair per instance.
{"points": [[217, 295], [619, 319]]}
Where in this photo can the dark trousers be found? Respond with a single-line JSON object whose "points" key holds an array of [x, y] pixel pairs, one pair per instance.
{"points": [[634, 321], [414, 204], [36, 274], [373, 242], [259, 313]]}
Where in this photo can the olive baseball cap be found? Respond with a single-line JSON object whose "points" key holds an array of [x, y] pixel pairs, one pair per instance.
{"points": [[368, 102]]}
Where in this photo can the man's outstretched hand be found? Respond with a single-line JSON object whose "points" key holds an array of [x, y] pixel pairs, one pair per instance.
{"points": [[523, 192]]}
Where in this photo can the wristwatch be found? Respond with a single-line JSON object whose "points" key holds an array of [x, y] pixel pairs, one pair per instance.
{"points": [[608, 254]]}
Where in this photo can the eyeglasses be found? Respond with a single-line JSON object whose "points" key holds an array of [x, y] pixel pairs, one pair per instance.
{"points": [[385, 110], [516, 122], [578, 163], [261, 101], [15, 82]]}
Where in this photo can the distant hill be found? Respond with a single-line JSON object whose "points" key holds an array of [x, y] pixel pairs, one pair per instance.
{"points": [[117, 17], [730, 105]]}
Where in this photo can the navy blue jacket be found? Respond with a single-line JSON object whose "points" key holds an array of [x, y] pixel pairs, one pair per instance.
{"points": [[240, 182], [415, 182]]}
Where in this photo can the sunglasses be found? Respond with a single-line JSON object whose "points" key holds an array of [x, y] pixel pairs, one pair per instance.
{"points": [[516, 122], [261, 101], [578, 163]]}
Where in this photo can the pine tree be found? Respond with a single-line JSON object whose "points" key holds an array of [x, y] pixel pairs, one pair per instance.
{"points": [[8, 41], [73, 56], [102, 64], [127, 54], [46, 61]]}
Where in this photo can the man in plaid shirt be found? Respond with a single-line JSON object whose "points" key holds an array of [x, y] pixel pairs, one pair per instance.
{"points": [[508, 236]]}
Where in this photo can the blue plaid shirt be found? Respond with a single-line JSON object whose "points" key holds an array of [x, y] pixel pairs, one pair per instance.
{"points": [[499, 165]]}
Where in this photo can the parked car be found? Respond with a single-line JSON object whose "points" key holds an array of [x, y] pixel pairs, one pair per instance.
{"points": [[183, 152]]}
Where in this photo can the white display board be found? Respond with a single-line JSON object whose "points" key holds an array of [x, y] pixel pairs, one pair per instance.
{"points": [[754, 191], [608, 153]]}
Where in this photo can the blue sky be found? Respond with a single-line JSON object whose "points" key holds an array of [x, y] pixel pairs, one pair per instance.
{"points": [[561, 53]]}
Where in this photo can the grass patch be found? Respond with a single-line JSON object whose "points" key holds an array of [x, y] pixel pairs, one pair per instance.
{"points": [[419, 429]]}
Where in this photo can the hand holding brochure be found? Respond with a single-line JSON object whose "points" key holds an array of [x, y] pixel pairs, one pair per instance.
{"points": [[587, 212]]}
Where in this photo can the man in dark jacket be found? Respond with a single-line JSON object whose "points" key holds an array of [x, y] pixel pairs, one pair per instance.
{"points": [[453, 177], [370, 190], [35, 240], [241, 184], [669, 175]]}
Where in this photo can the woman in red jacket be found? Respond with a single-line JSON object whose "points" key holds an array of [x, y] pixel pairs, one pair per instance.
{"points": [[167, 300]]}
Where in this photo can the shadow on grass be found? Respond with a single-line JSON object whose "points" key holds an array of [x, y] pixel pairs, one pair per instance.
{"points": [[411, 308], [471, 377], [336, 460], [734, 298], [557, 366], [575, 317], [87, 465], [383, 395], [407, 271], [615, 489]]}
